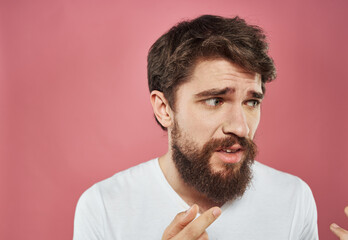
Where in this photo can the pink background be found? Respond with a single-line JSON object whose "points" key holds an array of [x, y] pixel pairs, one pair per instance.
{"points": [[74, 104]]}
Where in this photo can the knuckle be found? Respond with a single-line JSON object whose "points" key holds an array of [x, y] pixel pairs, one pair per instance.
{"points": [[190, 233], [204, 236], [166, 234], [179, 216], [209, 218]]}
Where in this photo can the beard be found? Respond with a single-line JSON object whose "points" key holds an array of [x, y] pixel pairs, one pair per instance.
{"points": [[194, 167]]}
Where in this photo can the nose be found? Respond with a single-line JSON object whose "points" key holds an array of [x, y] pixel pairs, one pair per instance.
{"points": [[236, 122]]}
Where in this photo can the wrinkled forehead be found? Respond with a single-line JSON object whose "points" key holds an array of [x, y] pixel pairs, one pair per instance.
{"points": [[216, 72]]}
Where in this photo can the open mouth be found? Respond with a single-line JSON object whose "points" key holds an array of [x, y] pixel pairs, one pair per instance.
{"points": [[230, 150], [232, 154]]}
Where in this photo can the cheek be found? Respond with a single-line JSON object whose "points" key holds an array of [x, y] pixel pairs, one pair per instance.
{"points": [[196, 123], [253, 123]]}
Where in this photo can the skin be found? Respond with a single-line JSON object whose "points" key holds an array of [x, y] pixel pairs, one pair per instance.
{"points": [[203, 116], [219, 99], [338, 231], [185, 226]]}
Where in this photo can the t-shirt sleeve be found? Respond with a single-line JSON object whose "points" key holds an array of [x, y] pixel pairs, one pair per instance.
{"points": [[89, 216], [310, 227]]}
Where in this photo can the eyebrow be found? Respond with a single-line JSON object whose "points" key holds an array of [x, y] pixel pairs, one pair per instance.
{"points": [[255, 94], [214, 92], [218, 92]]}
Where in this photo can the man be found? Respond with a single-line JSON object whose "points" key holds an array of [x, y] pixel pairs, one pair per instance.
{"points": [[207, 80]]}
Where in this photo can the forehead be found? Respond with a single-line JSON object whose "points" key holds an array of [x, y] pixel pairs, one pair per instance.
{"points": [[219, 73]]}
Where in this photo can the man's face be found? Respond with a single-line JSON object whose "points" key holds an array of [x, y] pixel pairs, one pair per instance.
{"points": [[216, 116]]}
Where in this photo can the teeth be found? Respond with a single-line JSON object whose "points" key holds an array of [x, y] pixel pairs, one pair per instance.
{"points": [[229, 150]]}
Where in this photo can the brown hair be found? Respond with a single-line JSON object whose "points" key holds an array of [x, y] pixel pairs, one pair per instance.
{"points": [[172, 57]]}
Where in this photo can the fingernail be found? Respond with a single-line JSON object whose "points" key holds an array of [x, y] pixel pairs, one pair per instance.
{"points": [[334, 225], [188, 210], [216, 212]]}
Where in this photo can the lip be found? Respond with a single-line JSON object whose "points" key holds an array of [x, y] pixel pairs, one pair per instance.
{"points": [[233, 157], [234, 147]]}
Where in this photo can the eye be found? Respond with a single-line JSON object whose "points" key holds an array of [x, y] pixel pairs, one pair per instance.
{"points": [[253, 103], [213, 102]]}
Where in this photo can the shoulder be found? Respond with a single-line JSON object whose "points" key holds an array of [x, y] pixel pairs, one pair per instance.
{"points": [[134, 177], [124, 184], [130, 178], [110, 195], [263, 172], [293, 197], [121, 179], [284, 189], [278, 181]]}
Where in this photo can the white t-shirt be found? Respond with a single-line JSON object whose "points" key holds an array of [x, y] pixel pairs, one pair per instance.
{"points": [[139, 203]]}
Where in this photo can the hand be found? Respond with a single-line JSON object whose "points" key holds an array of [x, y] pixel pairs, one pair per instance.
{"points": [[340, 232], [184, 227]]}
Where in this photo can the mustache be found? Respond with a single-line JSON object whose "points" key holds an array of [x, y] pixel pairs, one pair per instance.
{"points": [[229, 141]]}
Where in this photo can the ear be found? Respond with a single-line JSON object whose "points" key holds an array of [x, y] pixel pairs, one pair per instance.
{"points": [[161, 108]]}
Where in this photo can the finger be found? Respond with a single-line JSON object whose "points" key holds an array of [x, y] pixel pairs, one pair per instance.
{"points": [[180, 221], [339, 232], [346, 210], [204, 236], [197, 227]]}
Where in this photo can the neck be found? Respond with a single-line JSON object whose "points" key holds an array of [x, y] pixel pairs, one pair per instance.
{"points": [[189, 194]]}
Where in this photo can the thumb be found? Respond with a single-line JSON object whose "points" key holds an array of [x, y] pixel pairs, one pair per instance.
{"points": [[180, 222], [339, 232]]}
